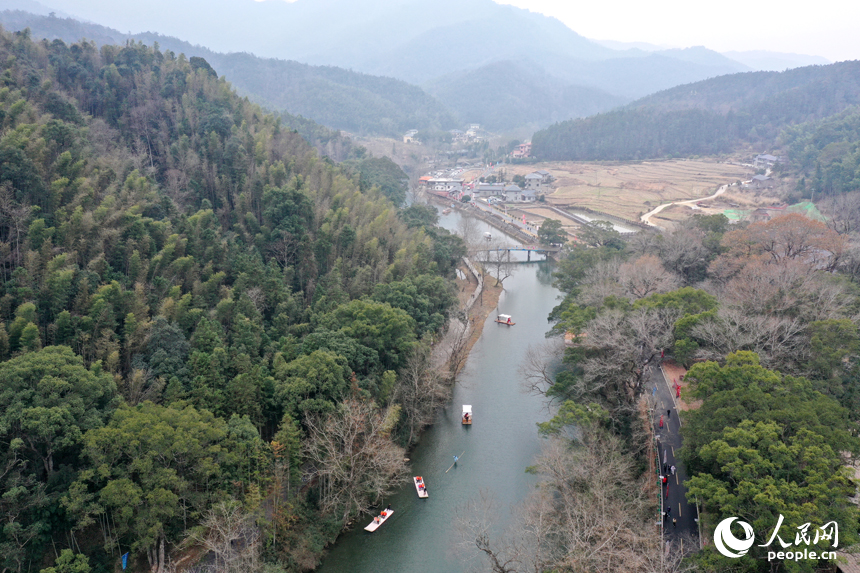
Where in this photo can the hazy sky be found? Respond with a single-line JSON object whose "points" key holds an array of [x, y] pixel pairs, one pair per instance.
{"points": [[829, 28]]}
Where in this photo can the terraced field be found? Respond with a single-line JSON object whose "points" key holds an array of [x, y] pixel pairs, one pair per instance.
{"points": [[630, 189]]}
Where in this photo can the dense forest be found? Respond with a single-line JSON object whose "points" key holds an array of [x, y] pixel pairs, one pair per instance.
{"points": [[706, 118], [764, 315], [824, 155], [195, 309], [328, 95]]}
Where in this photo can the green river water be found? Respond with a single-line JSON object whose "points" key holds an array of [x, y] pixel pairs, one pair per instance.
{"points": [[421, 536]]}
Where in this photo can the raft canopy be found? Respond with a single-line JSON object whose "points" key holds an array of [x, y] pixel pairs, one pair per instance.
{"points": [[467, 409], [504, 317]]}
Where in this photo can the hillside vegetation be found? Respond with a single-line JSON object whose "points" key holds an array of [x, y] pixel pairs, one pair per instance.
{"points": [[825, 155], [193, 304], [708, 117], [764, 316]]}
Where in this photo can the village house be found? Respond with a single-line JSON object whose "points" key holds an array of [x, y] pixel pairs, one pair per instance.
{"points": [[761, 182], [765, 160], [409, 136], [534, 181], [760, 215], [522, 150], [515, 194], [485, 190], [546, 178], [438, 185]]}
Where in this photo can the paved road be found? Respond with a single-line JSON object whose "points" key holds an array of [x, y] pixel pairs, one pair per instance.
{"points": [[669, 441], [530, 230]]}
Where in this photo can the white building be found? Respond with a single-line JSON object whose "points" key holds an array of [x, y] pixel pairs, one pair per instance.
{"points": [[534, 181], [447, 185]]}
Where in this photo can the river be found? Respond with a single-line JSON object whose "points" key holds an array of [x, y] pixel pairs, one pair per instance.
{"points": [[421, 536]]}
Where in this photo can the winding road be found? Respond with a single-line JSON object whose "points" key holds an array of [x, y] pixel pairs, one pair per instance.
{"points": [[647, 216]]}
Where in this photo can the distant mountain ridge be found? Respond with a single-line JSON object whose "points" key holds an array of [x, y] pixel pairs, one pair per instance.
{"points": [[762, 60], [414, 40], [494, 94], [708, 117], [755, 60]]}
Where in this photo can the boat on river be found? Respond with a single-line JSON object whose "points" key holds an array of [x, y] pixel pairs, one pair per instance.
{"points": [[379, 520], [505, 319], [467, 414], [420, 487], [446, 211]]}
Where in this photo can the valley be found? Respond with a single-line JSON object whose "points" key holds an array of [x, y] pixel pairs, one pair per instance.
{"points": [[262, 261]]}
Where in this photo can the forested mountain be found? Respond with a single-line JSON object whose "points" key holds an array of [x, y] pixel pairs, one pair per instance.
{"points": [[507, 95], [334, 97], [192, 302], [825, 155], [708, 117]]}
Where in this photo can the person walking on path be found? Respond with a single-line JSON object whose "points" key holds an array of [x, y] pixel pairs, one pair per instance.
{"points": [[669, 413], [673, 470], [678, 391], [674, 522], [661, 421]]}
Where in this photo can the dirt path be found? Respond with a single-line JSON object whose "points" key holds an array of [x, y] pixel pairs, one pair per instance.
{"points": [[486, 302], [647, 216]]}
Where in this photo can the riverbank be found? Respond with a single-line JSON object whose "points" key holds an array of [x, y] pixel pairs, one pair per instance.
{"points": [[488, 302]]}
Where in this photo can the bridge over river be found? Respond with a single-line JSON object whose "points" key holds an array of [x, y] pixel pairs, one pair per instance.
{"points": [[544, 250]]}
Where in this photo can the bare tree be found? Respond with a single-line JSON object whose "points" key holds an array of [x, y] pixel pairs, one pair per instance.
{"points": [[645, 276], [589, 513], [476, 528], [13, 224], [843, 212], [354, 457], [286, 249], [231, 537], [780, 341], [457, 344], [540, 365], [141, 386], [599, 282], [470, 231], [498, 261], [420, 391], [618, 348], [790, 287], [683, 252]]}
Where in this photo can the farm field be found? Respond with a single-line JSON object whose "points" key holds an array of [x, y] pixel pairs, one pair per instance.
{"points": [[630, 189]]}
